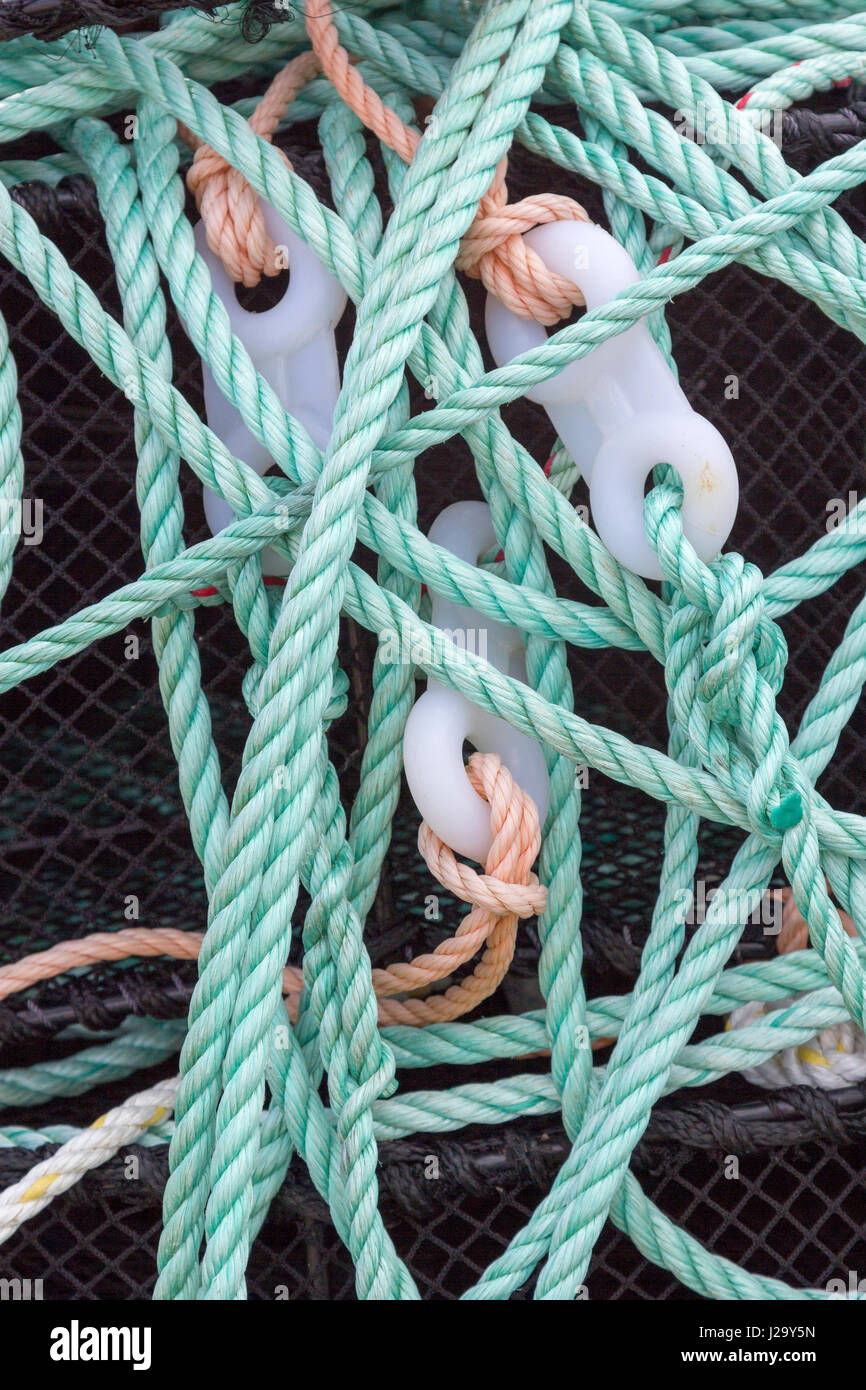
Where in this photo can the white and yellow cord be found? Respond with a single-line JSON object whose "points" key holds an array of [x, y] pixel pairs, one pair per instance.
{"points": [[833, 1059], [89, 1149]]}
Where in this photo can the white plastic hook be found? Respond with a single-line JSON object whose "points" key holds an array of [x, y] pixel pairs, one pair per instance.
{"points": [[443, 719], [620, 411], [292, 346]]}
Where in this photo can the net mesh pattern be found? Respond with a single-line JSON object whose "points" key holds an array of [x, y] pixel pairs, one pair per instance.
{"points": [[97, 819], [794, 1210]]}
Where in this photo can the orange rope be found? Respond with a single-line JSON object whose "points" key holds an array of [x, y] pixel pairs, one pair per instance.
{"points": [[493, 249], [228, 203], [350, 85], [794, 935], [507, 891]]}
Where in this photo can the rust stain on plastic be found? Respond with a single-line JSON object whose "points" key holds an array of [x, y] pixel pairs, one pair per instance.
{"points": [[708, 481]]}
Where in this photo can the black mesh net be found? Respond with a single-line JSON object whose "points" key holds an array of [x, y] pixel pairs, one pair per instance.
{"points": [[94, 817], [452, 1207]]}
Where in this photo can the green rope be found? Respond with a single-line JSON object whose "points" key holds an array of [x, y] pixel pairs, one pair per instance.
{"points": [[494, 69]]}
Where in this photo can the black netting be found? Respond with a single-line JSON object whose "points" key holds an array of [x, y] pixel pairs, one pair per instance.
{"points": [[47, 20], [94, 816], [452, 1207]]}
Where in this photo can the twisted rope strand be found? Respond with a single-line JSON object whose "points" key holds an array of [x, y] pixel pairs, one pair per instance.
{"points": [[493, 249]]}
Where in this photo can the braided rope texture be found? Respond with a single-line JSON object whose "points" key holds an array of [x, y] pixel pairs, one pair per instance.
{"points": [[248, 1097]]}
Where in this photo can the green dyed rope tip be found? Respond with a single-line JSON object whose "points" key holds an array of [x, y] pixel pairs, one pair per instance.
{"points": [[788, 813]]}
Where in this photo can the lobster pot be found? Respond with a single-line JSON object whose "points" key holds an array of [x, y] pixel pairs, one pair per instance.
{"points": [[95, 837]]}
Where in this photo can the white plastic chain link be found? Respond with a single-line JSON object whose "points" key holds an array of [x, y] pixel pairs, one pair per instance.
{"points": [[620, 411]]}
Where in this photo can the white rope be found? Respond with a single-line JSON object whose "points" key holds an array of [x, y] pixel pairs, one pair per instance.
{"points": [[90, 1148], [834, 1058]]}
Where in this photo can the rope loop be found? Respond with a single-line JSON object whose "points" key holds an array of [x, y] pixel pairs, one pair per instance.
{"points": [[493, 251], [507, 886], [227, 201]]}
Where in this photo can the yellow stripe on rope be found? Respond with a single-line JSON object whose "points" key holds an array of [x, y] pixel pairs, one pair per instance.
{"points": [[808, 1054], [39, 1188]]}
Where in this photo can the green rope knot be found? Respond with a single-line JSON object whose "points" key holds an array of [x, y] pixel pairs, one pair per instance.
{"points": [[740, 631], [725, 660]]}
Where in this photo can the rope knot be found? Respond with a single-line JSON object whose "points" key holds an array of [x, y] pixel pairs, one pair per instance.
{"points": [[743, 660], [228, 203], [739, 630], [725, 660], [507, 887], [493, 251], [507, 891]]}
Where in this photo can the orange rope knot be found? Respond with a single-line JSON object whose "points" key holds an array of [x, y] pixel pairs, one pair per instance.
{"points": [[228, 203], [493, 249], [505, 892]]}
